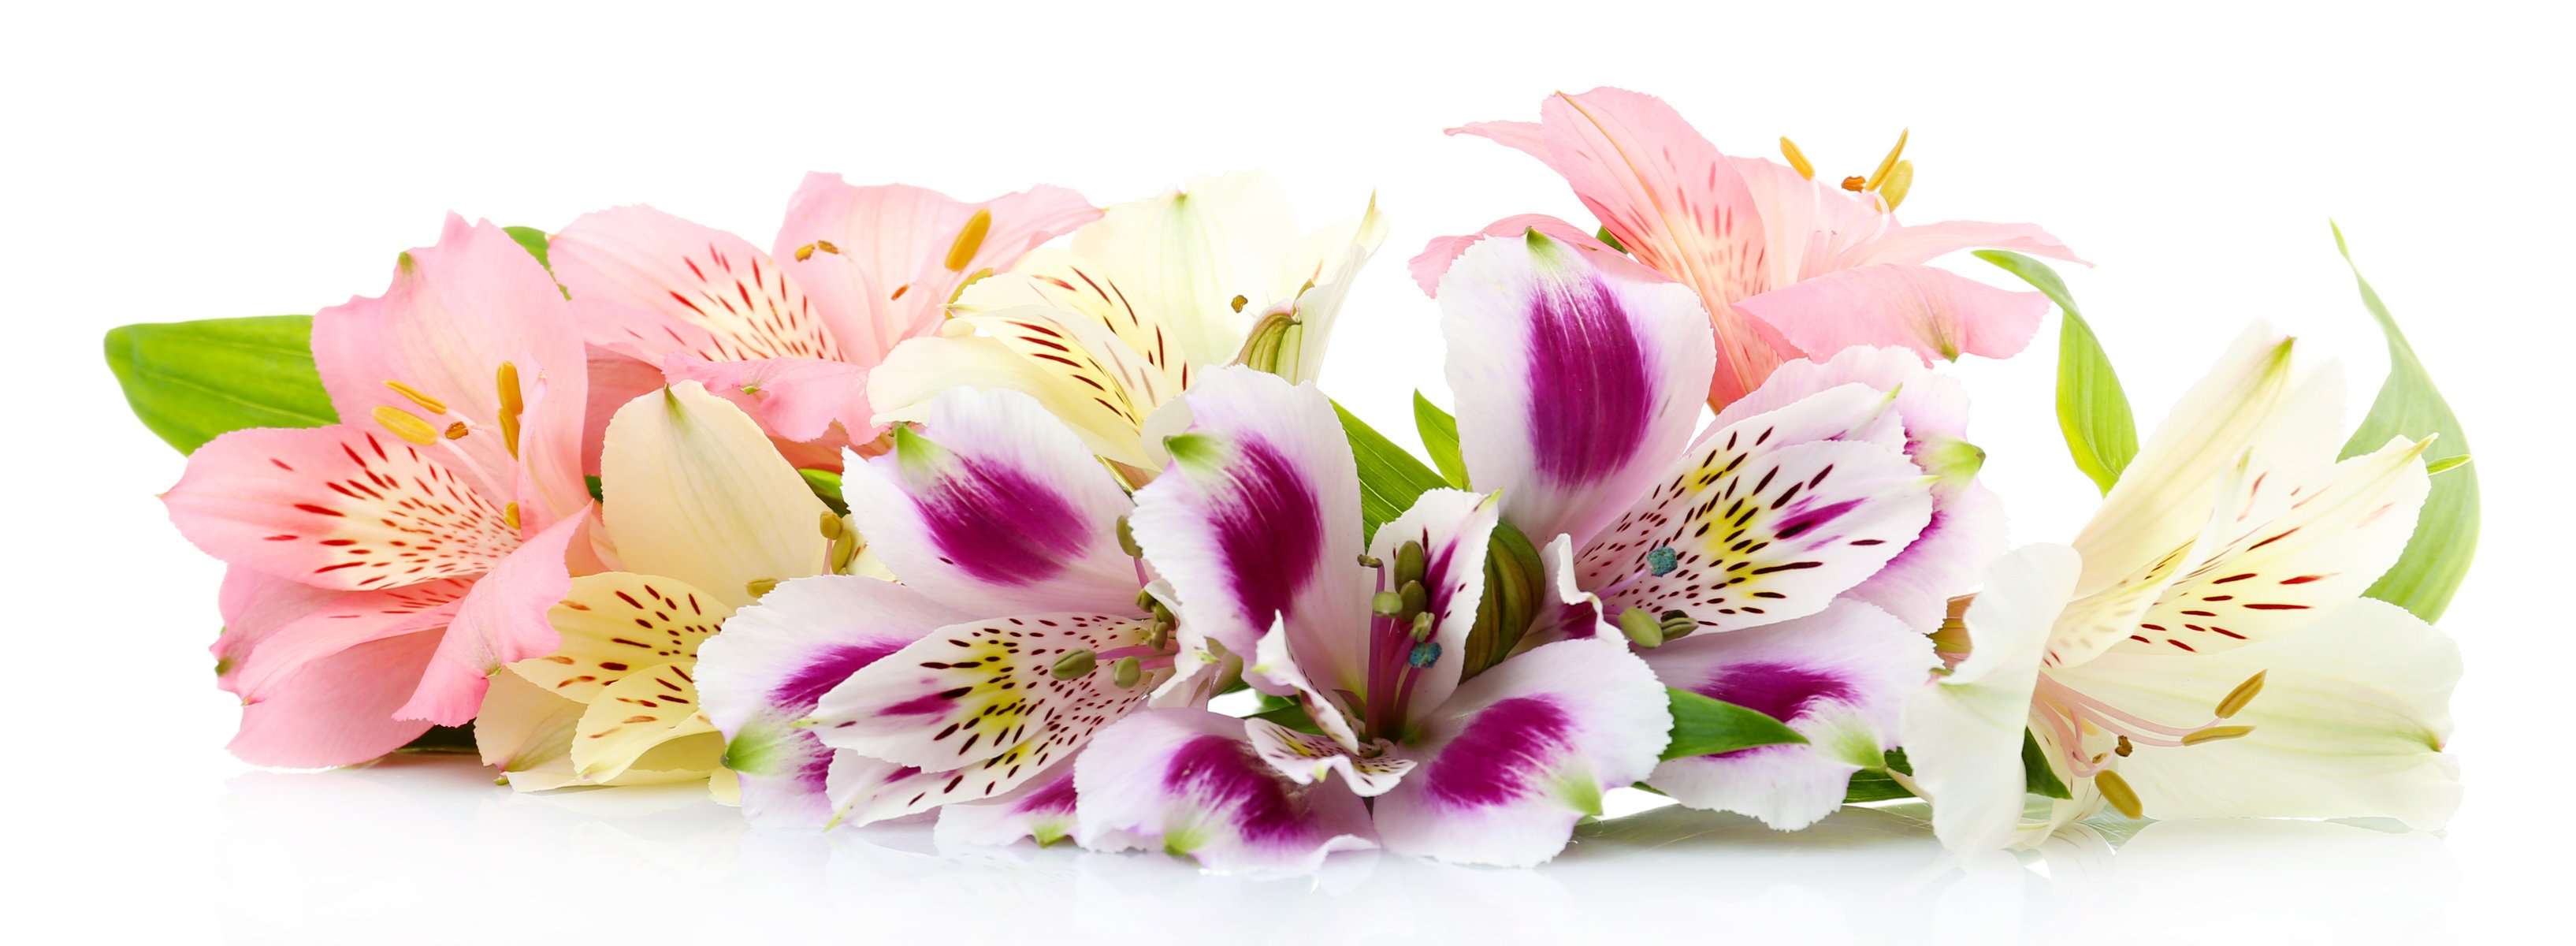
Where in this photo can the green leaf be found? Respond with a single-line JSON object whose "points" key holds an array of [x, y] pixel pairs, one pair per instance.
{"points": [[534, 240], [2446, 533], [2036, 777], [827, 487], [192, 381], [1610, 241], [1390, 479], [2091, 409], [1873, 785], [1440, 438], [1703, 726]]}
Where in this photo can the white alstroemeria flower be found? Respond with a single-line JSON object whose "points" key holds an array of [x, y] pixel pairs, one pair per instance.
{"points": [[2203, 649], [1152, 294]]}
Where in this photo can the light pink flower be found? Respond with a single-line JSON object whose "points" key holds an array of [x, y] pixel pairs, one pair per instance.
{"points": [[1787, 266], [384, 567], [790, 337]]}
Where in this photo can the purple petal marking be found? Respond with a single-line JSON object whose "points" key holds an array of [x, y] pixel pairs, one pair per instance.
{"points": [[1001, 525], [1271, 529], [1806, 520], [927, 704], [1590, 390], [801, 690], [1780, 691], [1222, 772], [1494, 759], [1055, 797]]}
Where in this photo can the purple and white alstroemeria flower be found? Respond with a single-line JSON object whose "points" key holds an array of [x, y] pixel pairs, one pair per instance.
{"points": [[1017, 633], [1257, 526], [1579, 377]]}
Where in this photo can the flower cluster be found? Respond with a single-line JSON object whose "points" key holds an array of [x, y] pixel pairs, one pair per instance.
{"points": [[922, 511]]}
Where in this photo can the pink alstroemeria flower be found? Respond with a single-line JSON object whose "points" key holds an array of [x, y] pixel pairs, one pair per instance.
{"points": [[789, 338], [1786, 265], [1796, 548], [1256, 524], [384, 567], [857, 700]]}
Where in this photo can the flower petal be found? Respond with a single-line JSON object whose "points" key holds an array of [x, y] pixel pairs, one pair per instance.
{"points": [[650, 719], [1319, 274], [2350, 723], [667, 272], [1454, 528], [897, 253], [1185, 781], [796, 398], [1506, 767], [501, 621], [1578, 378], [1041, 809], [1307, 758], [1934, 312], [336, 709], [1442, 252], [696, 493], [774, 661], [615, 623], [1037, 352], [338, 507], [1924, 242], [1963, 732], [1838, 677], [454, 315], [1186, 256], [981, 694], [1258, 518], [992, 501], [526, 732]]}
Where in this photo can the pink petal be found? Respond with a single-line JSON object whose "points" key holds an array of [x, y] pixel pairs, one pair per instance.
{"points": [[887, 274], [1187, 782], [1525, 137], [1923, 243], [1838, 677], [1523, 751], [1935, 312], [501, 621], [1578, 377], [614, 380], [338, 507], [797, 399], [668, 273], [775, 660], [993, 503], [1437, 256], [455, 313], [1258, 518], [339, 710]]}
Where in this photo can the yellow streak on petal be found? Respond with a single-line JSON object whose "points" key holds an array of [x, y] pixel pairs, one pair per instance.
{"points": [[969, 240], [510, 515], [507, 379], [406, 425]]}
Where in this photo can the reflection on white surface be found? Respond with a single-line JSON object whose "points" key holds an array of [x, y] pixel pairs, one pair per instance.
{"points": [[424, 849]]}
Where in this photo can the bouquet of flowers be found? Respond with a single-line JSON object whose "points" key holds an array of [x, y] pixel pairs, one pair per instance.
{"points": [[1029, 516]]}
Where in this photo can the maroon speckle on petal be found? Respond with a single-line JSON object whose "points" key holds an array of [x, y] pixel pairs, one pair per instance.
{"points": [[1500, 752], [1590, 388]]}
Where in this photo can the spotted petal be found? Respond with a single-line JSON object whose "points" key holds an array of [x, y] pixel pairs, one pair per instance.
{"points": [[773, 663], [1258, 517], [338, 507], [1307, 758], [1579, 378], [503, 619], [1189, 254], [668, 273], [1186, 782], [994, 502], [613, 624], [696, 493], [652, 711], [1508, 764], [1037, 352], [320, 681], [880, 261], [1838, 677], [1963, 732], [1041, 810]]}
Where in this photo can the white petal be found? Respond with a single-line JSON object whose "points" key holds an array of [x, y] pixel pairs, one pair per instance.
{"points": [[1963, 733], [701, 496]]}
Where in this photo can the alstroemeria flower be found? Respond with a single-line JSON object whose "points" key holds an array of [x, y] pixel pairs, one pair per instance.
{"points": [[1017, 632], [1787, 265], [1257, 527], [1149, 296], [790, 338], [2203, 649], [1578, 376], [384, 567], [704, 517]]}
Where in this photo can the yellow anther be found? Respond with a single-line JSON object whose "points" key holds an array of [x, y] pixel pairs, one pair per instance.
{"points": [[1887, 165], [2243, 694], [826, 246], [831, 525], [1797, 159], [969, 240], [1899, 183], [1240, 302], [758, 587], [2216, 733], [406, 425], [510, 516], [805, 252], [2124, 748], [456, 431], [507, 380], [1855, 183], [2116, 790], [426, 402]]}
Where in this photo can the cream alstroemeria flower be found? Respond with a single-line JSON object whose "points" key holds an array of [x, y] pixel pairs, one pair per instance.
{"points": [[705, 517], [1150, 295], [2203, 649]]}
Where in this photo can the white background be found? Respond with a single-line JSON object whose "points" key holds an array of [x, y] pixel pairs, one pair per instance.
{"points": [[210, 160]]}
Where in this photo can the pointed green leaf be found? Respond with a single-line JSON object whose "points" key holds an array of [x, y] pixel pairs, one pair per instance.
{"points": [[2446, 534], [1440, 439], [192, 381], [534, 241], [827, 487], [2036, 777], [1610, 241], [1390, 479], [2092, 411], [1703, 726]]}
